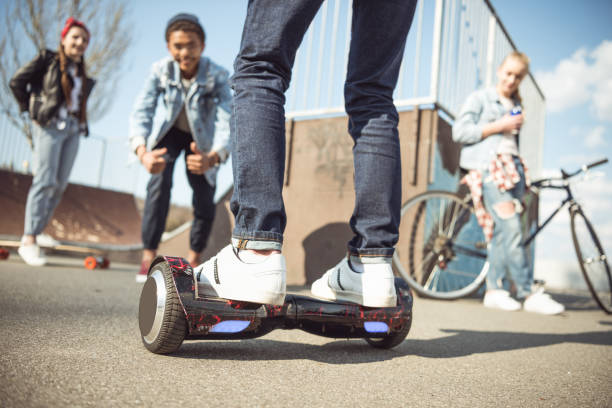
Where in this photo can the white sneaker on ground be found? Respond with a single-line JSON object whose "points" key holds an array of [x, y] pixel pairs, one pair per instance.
{"points": [[143, 272], [226, 276], [500, 299], [374, 287], [540, 302], [32, 255], [46, 240]]}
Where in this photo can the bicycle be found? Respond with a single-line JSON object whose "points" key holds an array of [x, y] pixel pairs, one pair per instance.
{"points": [[442, 252]]}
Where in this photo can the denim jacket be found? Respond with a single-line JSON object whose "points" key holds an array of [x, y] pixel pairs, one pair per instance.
{"points": [[207, 102], [481, 107]]}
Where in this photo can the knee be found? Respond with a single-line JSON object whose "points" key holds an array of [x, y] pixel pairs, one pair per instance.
{"points": [[506, 210], [159, 185], [48, 188], [510, 222]]}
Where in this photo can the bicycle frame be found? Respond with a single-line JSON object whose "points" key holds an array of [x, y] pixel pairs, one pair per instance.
{"points": [[569, 199]]}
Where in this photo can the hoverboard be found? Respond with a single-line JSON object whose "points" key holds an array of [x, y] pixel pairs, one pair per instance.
{"points": [[171, 311]]}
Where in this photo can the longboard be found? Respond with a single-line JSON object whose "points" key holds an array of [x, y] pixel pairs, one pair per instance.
{"points": [[96, 257]]}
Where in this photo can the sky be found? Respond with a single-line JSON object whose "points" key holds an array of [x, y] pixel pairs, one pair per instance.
{"points": [[570, 46]]}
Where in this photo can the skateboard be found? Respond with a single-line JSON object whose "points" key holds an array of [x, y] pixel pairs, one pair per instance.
{"points": [[95, 257], [172, 310]]}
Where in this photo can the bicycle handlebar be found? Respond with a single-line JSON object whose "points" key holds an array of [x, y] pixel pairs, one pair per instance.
{"points": [[565, 176], [597, 163], [583, 168]]}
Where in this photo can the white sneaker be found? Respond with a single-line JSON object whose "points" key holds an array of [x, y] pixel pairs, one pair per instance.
{"points": [[540, 302], [226, 276], [374, 287], [32, 255], [500, 299], [45, 240]]}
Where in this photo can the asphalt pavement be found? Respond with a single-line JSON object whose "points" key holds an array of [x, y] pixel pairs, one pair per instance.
{"points": [[69, 338]]}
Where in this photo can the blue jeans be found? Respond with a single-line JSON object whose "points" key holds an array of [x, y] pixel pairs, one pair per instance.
{"points": [[506, 251], [157, 202], [53, 156], [272, 33]]}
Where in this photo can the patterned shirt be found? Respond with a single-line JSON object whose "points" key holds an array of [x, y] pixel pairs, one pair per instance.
{"points": [[504, 174]]}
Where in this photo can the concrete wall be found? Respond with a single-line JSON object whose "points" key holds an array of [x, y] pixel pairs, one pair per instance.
{"points": [[319, 191]]}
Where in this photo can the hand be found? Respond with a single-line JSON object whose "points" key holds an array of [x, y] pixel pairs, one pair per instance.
{"points": [[153, 161], [508, 123], [198, 162]]}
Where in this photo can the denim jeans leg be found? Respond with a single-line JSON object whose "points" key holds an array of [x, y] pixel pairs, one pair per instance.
{"points": [[273, 30], [46, 160], [68, 153], [157, 201], [203, 211], [507, 251], [379, 31], [497, 259]]}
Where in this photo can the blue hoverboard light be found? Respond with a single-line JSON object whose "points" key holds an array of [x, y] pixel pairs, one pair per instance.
{"points": [[376, 327], [230, 326]]}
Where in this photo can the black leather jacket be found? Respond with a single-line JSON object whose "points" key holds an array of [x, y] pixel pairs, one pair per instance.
{"points": [[38, 90]]}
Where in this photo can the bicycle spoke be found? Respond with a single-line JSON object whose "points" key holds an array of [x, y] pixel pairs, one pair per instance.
{"points": [[431, 222], [440, 226], [426, 260], [433, 275], [459, 273], [468, 251], [453, 221]]}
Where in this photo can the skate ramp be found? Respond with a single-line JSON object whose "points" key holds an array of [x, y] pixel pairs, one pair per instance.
{"points": [[86, 215]]}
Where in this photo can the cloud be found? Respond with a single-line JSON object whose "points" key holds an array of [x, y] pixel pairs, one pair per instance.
{"points": [[585, 77], [574, 161], [595, 138]]}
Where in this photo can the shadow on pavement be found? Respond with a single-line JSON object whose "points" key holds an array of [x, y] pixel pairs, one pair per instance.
{"points": [[459, 343], [466, 342], [355, 351], [576, 302]]}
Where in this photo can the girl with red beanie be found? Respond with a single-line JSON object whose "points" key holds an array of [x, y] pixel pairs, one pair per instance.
{"points": [[52, 90]]}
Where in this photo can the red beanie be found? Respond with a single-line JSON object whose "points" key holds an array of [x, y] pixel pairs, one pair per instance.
{"points": [[71, 22]]}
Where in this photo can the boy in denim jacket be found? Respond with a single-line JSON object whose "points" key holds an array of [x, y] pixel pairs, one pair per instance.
{"points": [[197, 98]]}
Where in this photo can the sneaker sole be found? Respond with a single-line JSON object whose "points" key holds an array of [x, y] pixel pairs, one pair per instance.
{"points": [[544, 312], [323, 291], [42, 262], [266, 298]]}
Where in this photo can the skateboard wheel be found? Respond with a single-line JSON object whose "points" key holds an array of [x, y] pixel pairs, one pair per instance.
{"points": [[91, 262], [4, 254]]}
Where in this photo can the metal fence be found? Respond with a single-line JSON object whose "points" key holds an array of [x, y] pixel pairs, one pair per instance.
{"points": [[92, 167], [453, 48]]}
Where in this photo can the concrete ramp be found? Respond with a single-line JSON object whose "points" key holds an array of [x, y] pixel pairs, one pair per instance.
{"points": [[86, 215]]}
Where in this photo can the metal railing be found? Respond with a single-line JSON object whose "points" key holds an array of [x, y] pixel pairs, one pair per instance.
{"points": [[92, 166], [453, 48]]}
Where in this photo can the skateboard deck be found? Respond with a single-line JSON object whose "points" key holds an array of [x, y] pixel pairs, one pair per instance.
{"points": [[95, 257]]}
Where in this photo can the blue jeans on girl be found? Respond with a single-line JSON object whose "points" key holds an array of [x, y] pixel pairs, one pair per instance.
{"points": [[53, 156], [506, 251]]}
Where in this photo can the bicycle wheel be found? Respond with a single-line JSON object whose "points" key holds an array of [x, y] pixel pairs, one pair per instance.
{"points": [[442, 252], [592, 259]]}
